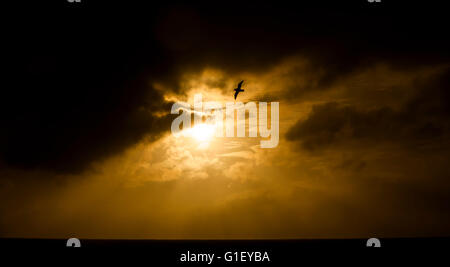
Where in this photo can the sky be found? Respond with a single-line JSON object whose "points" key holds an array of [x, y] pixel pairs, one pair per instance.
{"points": [[86, 147]]}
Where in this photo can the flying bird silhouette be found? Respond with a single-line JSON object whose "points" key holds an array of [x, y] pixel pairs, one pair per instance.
{"points": [[238, 89]]}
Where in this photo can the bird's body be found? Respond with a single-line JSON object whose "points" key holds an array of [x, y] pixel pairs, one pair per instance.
{"points": [[238, 89]]}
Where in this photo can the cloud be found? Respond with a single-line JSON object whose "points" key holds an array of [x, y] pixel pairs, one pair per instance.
{"points": [[77, 94], [423, 118], [79, 90]]}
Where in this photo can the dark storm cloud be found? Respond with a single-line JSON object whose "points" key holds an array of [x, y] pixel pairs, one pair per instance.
{"points": [[424, 119], [335, 39], [80, 82], [79, 89]]}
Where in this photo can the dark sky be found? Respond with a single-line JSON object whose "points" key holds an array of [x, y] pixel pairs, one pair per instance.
{"points": [[79, 84], [78, 75]]}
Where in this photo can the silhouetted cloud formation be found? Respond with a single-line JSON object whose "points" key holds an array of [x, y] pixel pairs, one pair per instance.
{"points": [[79, 89], [424, 118]]}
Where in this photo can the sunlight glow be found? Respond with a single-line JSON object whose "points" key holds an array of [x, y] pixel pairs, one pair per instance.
{"points": [[202, 132]]}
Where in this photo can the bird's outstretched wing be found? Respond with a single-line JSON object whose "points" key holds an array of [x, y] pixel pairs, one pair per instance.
{"points": [[235, 94], [240, 84]]}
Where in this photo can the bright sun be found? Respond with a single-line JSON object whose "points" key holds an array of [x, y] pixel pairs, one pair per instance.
{"points": [[202, 132]]}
